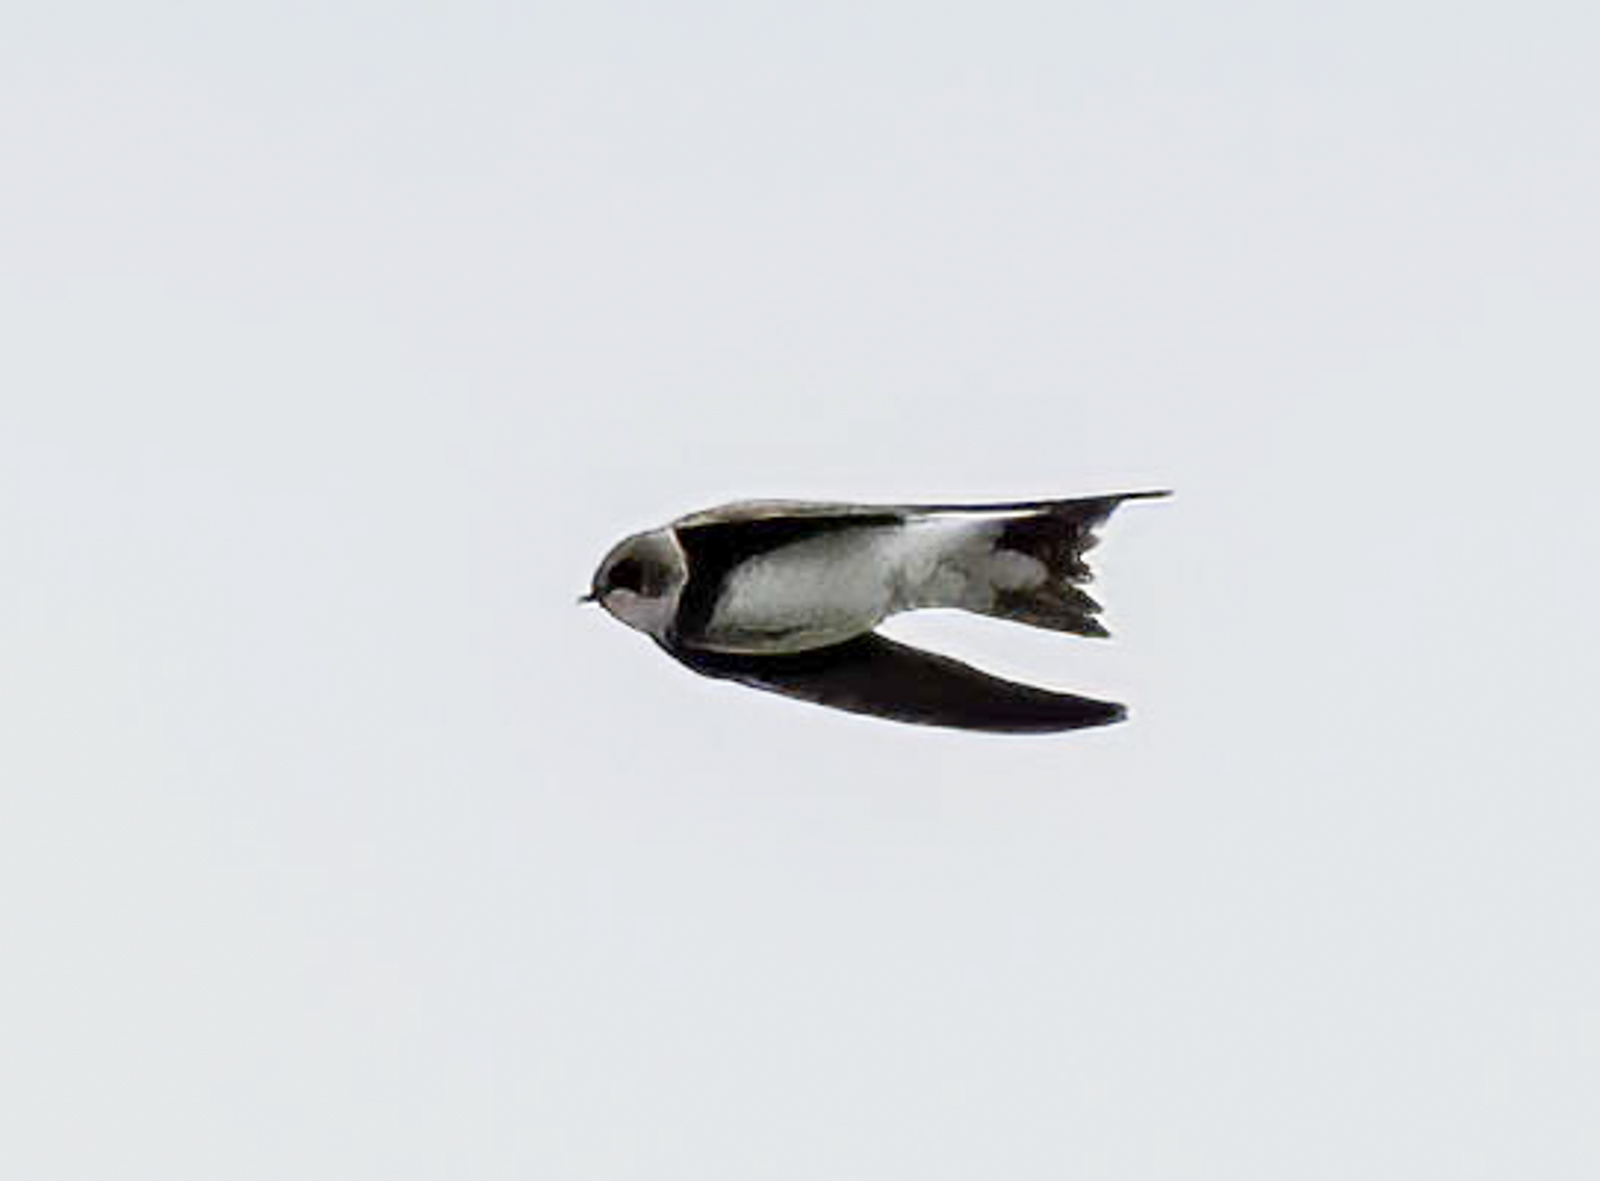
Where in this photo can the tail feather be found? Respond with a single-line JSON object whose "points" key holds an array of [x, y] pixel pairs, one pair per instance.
{"points": [[1055, 535]]}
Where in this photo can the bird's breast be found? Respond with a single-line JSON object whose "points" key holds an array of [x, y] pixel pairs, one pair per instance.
{"points": [[828, 589], [819, 591]]}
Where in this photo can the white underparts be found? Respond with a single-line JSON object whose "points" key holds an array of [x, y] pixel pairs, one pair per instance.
{"points": [[952, 562], [834, 587], [1011, 571]]}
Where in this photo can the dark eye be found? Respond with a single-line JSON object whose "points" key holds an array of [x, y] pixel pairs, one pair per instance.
{"points": [[627, 574]]}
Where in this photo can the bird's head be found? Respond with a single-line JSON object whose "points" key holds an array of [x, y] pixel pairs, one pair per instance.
{"points": [[640, 580]]}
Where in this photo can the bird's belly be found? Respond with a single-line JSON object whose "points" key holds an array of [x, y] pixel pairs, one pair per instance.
{"points": [[807, 595]]}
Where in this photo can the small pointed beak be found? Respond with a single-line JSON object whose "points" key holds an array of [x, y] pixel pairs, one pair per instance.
{"points": [[591, 597]]}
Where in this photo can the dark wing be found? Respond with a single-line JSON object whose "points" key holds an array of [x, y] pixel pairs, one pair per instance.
{"points": [[1097, 507], [873, 675], [766, 510], [742, 511]]}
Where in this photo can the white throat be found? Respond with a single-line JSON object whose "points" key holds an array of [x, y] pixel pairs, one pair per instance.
{"points": [[653, 610]]}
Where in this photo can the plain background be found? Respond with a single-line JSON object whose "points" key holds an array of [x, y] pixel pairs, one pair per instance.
{"points": [[339, 342]]}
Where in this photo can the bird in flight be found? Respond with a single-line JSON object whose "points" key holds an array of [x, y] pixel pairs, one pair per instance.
{"points": [[784, 596]]}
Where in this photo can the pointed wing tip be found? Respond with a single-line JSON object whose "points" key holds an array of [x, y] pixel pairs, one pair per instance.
{"points": [[1147, 494], [1076, 713]]}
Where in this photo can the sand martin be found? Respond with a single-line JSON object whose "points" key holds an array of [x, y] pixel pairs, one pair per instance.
{"points": [[784, 596]]}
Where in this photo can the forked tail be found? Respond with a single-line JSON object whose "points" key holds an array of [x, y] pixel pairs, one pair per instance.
{"points": [[1050, 537]]}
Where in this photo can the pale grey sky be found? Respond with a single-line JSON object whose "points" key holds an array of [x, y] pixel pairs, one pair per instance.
{"points": [[340, 343]]}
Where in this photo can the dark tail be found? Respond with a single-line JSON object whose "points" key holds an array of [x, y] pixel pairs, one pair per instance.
{"points": [[1056, 533]]}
